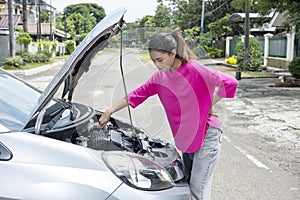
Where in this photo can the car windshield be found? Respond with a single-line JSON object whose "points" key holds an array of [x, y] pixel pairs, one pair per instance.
{"points": [[17, 100]]}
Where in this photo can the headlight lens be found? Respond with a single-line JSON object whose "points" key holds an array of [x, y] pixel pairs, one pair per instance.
{"points": [[137, 171]]}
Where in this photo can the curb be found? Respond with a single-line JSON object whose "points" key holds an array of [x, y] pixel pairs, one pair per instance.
{"points": [[35, 70]]}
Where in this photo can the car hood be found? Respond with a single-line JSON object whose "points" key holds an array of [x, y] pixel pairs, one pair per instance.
{"points": [[80, 60]]}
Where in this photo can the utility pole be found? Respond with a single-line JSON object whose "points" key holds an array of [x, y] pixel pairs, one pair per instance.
{"points": [[247, 33], [11, 30], [24, 12], [202, 19], [25, 24], [51, 34], [200, 52]]}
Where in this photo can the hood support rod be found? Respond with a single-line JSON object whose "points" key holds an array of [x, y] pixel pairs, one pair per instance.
{"points": [[123, 80]]}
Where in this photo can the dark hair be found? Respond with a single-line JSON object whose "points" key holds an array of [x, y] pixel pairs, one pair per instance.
{"points": [[167, 42]]}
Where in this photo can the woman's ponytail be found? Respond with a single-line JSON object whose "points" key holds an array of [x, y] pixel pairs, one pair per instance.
{"points": [[167, 42], [183, 51]]}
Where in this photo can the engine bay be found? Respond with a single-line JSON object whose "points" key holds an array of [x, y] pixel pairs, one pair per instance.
{"points": [[119, 135]]}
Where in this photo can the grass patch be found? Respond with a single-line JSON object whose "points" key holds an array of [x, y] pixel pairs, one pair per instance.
{"points": [[245, 74], [262, 74], [29, 65]]}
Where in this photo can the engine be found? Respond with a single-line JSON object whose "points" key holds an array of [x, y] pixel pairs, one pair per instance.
{"points": [[117, 136]]}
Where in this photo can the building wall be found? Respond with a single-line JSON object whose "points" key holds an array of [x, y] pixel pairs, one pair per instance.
{"points": [[4, 44]]}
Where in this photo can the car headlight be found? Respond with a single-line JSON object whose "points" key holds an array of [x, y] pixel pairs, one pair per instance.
{"points": [[137, 171]]}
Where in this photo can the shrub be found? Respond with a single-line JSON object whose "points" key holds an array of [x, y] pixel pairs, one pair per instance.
{"points": [[54, 45], [17, 61], [46, 52], [28, 57], [23, 38], [231, 60], [255, 55], [294, 67], [214, 52], [41, 57], [70, 46]]}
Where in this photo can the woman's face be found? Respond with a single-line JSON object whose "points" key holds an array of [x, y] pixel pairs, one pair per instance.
{"points": [[162, 60]]}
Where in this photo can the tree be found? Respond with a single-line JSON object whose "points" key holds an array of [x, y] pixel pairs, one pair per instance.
{"points": [[186, 14], [44, 16], [162, 17], [255, 55], [144, 23], [80, 19], [86, 9], [24, 38], [291, 6], [222, 27], [131, 34]]}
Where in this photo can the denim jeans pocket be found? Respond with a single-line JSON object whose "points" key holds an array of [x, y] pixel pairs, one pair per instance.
{"points": [[212, 143]]}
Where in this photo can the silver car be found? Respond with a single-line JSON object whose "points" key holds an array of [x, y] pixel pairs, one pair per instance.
{"points": [[53, 148]]}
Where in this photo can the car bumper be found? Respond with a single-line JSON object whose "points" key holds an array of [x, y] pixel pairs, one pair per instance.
{"points": [[125, 192]]}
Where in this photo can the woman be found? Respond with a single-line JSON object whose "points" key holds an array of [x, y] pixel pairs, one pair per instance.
{"points": [[186, 90]]}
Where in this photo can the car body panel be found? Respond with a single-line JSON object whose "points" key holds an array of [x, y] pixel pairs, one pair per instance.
{"points": [[39, 162]]}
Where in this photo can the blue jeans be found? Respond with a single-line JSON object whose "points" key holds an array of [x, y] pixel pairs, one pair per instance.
{"points": [[199, 166]]}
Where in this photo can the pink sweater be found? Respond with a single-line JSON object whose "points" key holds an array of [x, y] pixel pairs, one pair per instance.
{"points": [[186, 96]]}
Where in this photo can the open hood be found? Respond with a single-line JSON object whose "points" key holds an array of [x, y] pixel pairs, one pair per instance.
{"points": [[80, 60]]}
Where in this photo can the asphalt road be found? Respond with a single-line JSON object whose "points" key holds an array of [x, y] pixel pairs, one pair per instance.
{"points": [[260, 152]]}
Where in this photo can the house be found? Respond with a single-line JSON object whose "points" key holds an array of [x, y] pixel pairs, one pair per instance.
{"points": [[278, 39], [36, 28]]}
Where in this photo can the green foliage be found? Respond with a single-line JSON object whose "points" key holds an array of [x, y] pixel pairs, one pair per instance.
{"points": [[23, 38], [255, 55], [162, 17], [27, 57], [41, 57], [80, 19], [147, 21], [222, 27], [45, 16], [131, 35], [23, 58], [54, 45], [86, 9], [186, 14], [291, 7], [45, 52], [17, 61], [294, 67], [192, 34], [214, 52], [78, 38], [70, 46]]}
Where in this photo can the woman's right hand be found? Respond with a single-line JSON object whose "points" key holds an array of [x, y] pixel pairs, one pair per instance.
{"points": [[106, 115], [104, 118]]}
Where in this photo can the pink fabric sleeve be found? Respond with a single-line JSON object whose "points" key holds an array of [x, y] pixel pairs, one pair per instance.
{"points": [[140, 94], [227, 85]]}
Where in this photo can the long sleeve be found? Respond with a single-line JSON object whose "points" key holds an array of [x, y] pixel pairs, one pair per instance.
{"points": [[227, 85], [140, 94]]}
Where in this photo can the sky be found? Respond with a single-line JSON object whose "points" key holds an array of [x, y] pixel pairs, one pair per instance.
{"points": [[136, 9]]}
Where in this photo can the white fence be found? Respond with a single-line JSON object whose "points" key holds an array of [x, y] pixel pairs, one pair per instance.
{"points": [[277, 51]]}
